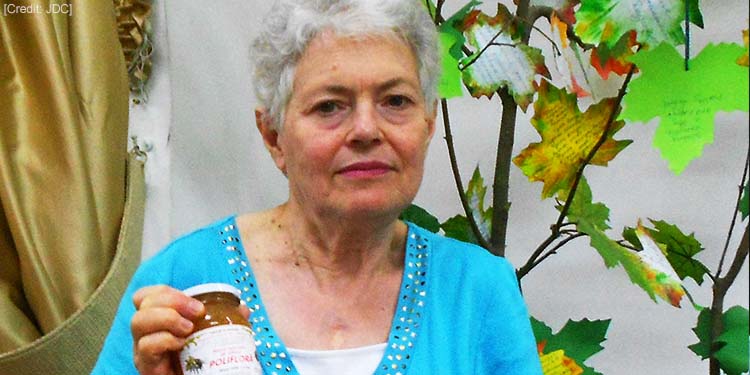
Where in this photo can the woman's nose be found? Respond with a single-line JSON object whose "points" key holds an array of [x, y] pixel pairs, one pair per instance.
{"points": [[365, 128]]}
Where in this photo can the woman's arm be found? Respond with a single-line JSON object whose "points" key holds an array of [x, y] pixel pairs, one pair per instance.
{"points": [[507, 342]]}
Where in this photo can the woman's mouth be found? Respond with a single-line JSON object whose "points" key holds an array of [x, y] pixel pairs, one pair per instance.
{"points": [[365, 169]]}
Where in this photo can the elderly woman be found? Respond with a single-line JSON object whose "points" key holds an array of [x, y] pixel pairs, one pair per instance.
{"points": [[335, 283]]}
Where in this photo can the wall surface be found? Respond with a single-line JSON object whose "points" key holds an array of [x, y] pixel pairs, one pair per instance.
{"points": [[208, 161]]}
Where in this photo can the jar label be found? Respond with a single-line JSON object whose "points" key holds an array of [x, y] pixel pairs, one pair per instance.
{"points": [[226, 349]]}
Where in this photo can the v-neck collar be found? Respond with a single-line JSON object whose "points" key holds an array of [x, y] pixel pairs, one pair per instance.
{"points": [[402, 338]]}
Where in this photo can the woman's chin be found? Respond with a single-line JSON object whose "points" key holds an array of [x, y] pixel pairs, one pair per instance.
{"points": [[373, 208]]}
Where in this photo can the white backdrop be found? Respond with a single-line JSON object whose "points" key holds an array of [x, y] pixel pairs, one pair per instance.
{"points": [[206, 161]]}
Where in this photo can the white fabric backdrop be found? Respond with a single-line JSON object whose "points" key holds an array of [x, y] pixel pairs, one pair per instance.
{"points": [[207, 161]]}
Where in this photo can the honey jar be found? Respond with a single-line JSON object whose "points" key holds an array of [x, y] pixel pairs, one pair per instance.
{"points": [[222, 340]]}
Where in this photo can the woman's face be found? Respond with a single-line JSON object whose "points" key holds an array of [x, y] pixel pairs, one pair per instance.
{"points": [[356, 127]]}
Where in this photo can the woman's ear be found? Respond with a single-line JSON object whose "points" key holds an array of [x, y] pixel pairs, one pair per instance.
{"points": [[270, 137], [430, 119]]}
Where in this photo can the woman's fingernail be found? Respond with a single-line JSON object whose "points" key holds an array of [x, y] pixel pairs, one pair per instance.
{"points": [[195, 306], [186, 325]]}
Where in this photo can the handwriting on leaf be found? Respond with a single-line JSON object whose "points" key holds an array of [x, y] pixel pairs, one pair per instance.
{"points": [[686, 101], [568, 135], [655, 21], [500, 59]]}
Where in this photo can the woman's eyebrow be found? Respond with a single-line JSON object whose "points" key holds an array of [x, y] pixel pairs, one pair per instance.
{"points": [[391, 83], [344, 90]]}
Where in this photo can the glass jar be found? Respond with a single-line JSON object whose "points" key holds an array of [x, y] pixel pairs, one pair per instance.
{"points": [[222, 340]]}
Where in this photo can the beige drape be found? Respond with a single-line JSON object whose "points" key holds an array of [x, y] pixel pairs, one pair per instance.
{"points": [[63, 130]]}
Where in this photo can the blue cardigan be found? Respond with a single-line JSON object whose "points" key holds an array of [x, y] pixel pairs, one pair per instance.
{"points": [[459, 308]]}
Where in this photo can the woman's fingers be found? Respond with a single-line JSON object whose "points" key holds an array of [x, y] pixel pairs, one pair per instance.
{"points": [[152, 353], [160, 325], [158, 319], [164, 296], [245, 311]]}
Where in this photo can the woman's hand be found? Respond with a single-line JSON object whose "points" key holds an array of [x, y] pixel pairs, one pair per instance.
{"points": [[163, 319], [161, 324]]}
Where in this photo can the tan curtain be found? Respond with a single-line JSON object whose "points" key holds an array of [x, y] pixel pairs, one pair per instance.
{"points": [[63, 134]]}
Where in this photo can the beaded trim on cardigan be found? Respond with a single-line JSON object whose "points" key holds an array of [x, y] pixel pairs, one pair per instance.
{"points": [[272, 353]]}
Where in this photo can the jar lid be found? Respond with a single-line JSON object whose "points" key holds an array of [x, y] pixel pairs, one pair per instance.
{"points": [[210, 288]]}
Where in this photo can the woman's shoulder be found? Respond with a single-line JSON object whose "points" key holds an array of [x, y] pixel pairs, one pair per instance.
{"points": [[451, 255], [193, 252], [198, 239]]}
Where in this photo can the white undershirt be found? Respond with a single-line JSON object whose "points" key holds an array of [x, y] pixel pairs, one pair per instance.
{"points": [[363, 360]]}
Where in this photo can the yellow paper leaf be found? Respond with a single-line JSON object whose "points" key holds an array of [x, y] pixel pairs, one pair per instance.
{"points": [[557, 363], [568, 135]]}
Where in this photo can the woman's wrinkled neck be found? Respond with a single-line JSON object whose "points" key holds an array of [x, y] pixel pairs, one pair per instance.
{"points": [[338, 247]]}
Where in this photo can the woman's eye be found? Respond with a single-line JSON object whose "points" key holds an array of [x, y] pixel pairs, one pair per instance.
{"points": [[397, 101], [326, 108]]}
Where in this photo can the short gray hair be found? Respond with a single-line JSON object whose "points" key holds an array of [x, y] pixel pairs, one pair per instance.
{"points": [[292, 24]]}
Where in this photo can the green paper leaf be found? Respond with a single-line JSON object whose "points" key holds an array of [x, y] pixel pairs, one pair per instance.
{"points": [[662, 278], [458, 227], [500, 59], [451, 41], [568, 135], [421, 217], [475, 193], [655, 21], [733, 356], [541, 331], [579, 339], [583, 211], [681, 250], [453, 26], [731, 347], [628, 233], [695, 16], [686, 101], [745, 201], [589, 219], [648, 268], [702, 330], [450, 76]]}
